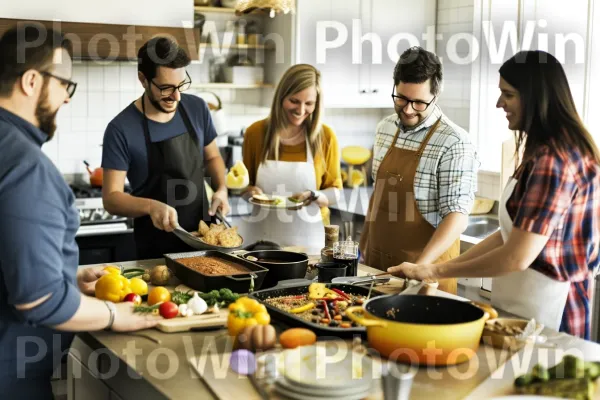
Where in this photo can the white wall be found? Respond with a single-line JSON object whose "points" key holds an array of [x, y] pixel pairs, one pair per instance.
{"points": [[135, 12], [455, 17], [104, 90]]}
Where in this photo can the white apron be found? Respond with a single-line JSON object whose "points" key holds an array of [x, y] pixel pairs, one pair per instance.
{"points": [[529, 293], [304, 227]]}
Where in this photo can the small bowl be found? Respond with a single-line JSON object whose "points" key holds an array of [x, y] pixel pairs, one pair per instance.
{"points": [[505, 339]]}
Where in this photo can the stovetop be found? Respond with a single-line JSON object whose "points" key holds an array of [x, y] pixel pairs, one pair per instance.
{"points": [[88, 201]]}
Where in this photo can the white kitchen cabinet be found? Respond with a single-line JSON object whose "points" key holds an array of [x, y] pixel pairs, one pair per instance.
{"points": [[357, 70], [329, 20]]}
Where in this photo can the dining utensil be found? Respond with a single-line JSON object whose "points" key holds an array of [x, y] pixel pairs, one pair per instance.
{"points": [[221, 218]]}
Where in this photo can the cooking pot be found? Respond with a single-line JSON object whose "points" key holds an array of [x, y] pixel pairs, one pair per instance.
{"points": [[281, 264], [420, 329], [96, 176]]}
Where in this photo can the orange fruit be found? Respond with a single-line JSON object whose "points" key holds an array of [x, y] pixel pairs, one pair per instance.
{"points": [[157, 295]]}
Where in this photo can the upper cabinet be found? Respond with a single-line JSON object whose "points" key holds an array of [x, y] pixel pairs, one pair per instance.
{"points": [[130, 12], [356, 44], [110, 29]]}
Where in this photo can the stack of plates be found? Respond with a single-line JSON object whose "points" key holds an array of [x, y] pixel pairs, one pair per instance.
{"points": [[302, 391], [313, 372]]}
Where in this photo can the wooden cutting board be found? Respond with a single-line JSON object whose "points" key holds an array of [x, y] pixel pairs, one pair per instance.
{"points": [[196, 322]]}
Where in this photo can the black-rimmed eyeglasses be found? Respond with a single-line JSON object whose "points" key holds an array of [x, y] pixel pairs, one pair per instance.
{"points": [[416, 105], [70, 85], [168, 90]]}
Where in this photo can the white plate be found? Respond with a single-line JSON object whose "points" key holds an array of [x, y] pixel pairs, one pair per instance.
{"points": [[319, 391], [314, 367], [299, 396], [284, 204]]}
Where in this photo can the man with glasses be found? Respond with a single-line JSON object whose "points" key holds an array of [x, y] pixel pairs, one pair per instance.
{"points": [[163, 143], [44, 297], [425, 174]]}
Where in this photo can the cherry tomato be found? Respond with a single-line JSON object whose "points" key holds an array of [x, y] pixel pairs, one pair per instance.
{"points": [[134, 298], [168, 310]]}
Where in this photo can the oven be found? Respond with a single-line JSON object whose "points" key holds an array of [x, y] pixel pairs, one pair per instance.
{"points": [[101, 237]]}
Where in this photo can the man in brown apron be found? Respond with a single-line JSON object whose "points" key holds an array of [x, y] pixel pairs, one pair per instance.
{"points": [[424, 187]]}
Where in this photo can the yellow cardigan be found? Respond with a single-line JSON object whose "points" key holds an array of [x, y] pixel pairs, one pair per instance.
{"points": [[327, 173]]}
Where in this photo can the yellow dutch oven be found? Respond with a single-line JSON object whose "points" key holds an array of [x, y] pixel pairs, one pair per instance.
{"points": [[418, 329]]}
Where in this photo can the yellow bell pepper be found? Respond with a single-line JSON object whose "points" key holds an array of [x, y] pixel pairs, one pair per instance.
{"points": [[113, 270], [112, 287], [246, 312]]}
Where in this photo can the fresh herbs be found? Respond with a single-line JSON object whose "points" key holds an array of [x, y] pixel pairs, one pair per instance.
{"points": [[222, 297]]}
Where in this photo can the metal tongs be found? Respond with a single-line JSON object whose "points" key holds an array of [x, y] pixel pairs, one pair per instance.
{"points": [[221, 218]]}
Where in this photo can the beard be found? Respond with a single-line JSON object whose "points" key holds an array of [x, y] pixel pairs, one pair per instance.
{"points": [[156, 103], [45, 115]]}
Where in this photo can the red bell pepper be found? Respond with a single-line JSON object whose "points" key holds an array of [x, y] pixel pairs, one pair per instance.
{"points": [[341, 293]]}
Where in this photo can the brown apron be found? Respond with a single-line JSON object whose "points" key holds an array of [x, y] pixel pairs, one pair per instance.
{"points": [[394, 230]]}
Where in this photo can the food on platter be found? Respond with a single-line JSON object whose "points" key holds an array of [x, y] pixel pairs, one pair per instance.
{"points": [[212, 266]]}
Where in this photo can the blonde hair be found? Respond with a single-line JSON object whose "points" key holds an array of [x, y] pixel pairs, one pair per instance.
{"points": [[296, 79]]}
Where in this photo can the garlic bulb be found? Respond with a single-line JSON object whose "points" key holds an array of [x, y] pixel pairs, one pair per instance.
{"points": [[197, 304], [185, 311]]}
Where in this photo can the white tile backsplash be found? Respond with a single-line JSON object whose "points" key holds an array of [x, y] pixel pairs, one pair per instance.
{"points": [[104, 90]]}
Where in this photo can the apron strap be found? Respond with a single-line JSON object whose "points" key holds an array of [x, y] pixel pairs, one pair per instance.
{"points": [[427, 138]]}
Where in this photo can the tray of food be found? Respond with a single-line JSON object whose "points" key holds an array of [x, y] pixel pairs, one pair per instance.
{"points": [[318, 306], [213, 270], [213, 237]]}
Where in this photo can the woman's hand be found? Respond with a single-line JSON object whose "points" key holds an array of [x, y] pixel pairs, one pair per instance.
{"points": [[413, 271], [304, 198], [251, 191]]}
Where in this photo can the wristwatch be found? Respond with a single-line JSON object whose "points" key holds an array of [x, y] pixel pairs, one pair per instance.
{"points": [[113, 311]]}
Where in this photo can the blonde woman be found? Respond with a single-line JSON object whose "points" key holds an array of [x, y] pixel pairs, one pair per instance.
{"points": [[292, 153]]}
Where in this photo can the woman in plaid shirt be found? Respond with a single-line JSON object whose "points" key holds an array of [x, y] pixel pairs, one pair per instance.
{"points": [[544, 256]]}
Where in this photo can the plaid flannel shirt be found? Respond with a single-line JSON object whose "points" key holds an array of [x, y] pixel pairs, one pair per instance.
{"points": [[559, 196], [446, 178]]}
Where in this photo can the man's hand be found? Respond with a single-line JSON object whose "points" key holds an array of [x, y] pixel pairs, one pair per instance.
{"points": [[164, 217], [87, 278], [220, 202], [126, 320], [413, 271]]}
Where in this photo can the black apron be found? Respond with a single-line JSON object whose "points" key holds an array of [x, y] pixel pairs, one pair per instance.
{"points": [[176, 178]]}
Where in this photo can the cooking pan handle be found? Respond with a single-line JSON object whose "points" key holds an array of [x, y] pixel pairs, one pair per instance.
{"points": [[350, 313], [250, 276], [490, 312]]}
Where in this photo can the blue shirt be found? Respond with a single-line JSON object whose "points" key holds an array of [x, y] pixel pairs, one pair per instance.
{"points": [[124, 147], [38, 256]]}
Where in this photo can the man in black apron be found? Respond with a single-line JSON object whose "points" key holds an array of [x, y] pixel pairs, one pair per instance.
{"points": [[162, 143]]}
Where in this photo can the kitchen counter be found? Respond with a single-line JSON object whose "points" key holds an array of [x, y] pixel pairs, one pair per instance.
{"points": [[154, 365]]}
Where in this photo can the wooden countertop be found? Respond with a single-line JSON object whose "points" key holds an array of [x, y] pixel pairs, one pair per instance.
{"points": [[156, 364]]}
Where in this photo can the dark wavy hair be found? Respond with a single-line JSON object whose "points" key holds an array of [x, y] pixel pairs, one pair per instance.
{"points": [[416, 65], [549, 116], [161, 52]]}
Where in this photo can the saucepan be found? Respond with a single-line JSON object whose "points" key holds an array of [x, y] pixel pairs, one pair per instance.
{"points": [[420, 329]]}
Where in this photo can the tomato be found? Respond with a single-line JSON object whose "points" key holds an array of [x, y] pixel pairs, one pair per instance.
{"points": [[138, 286], [157, 295], [134, 298], [168, 310]]}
